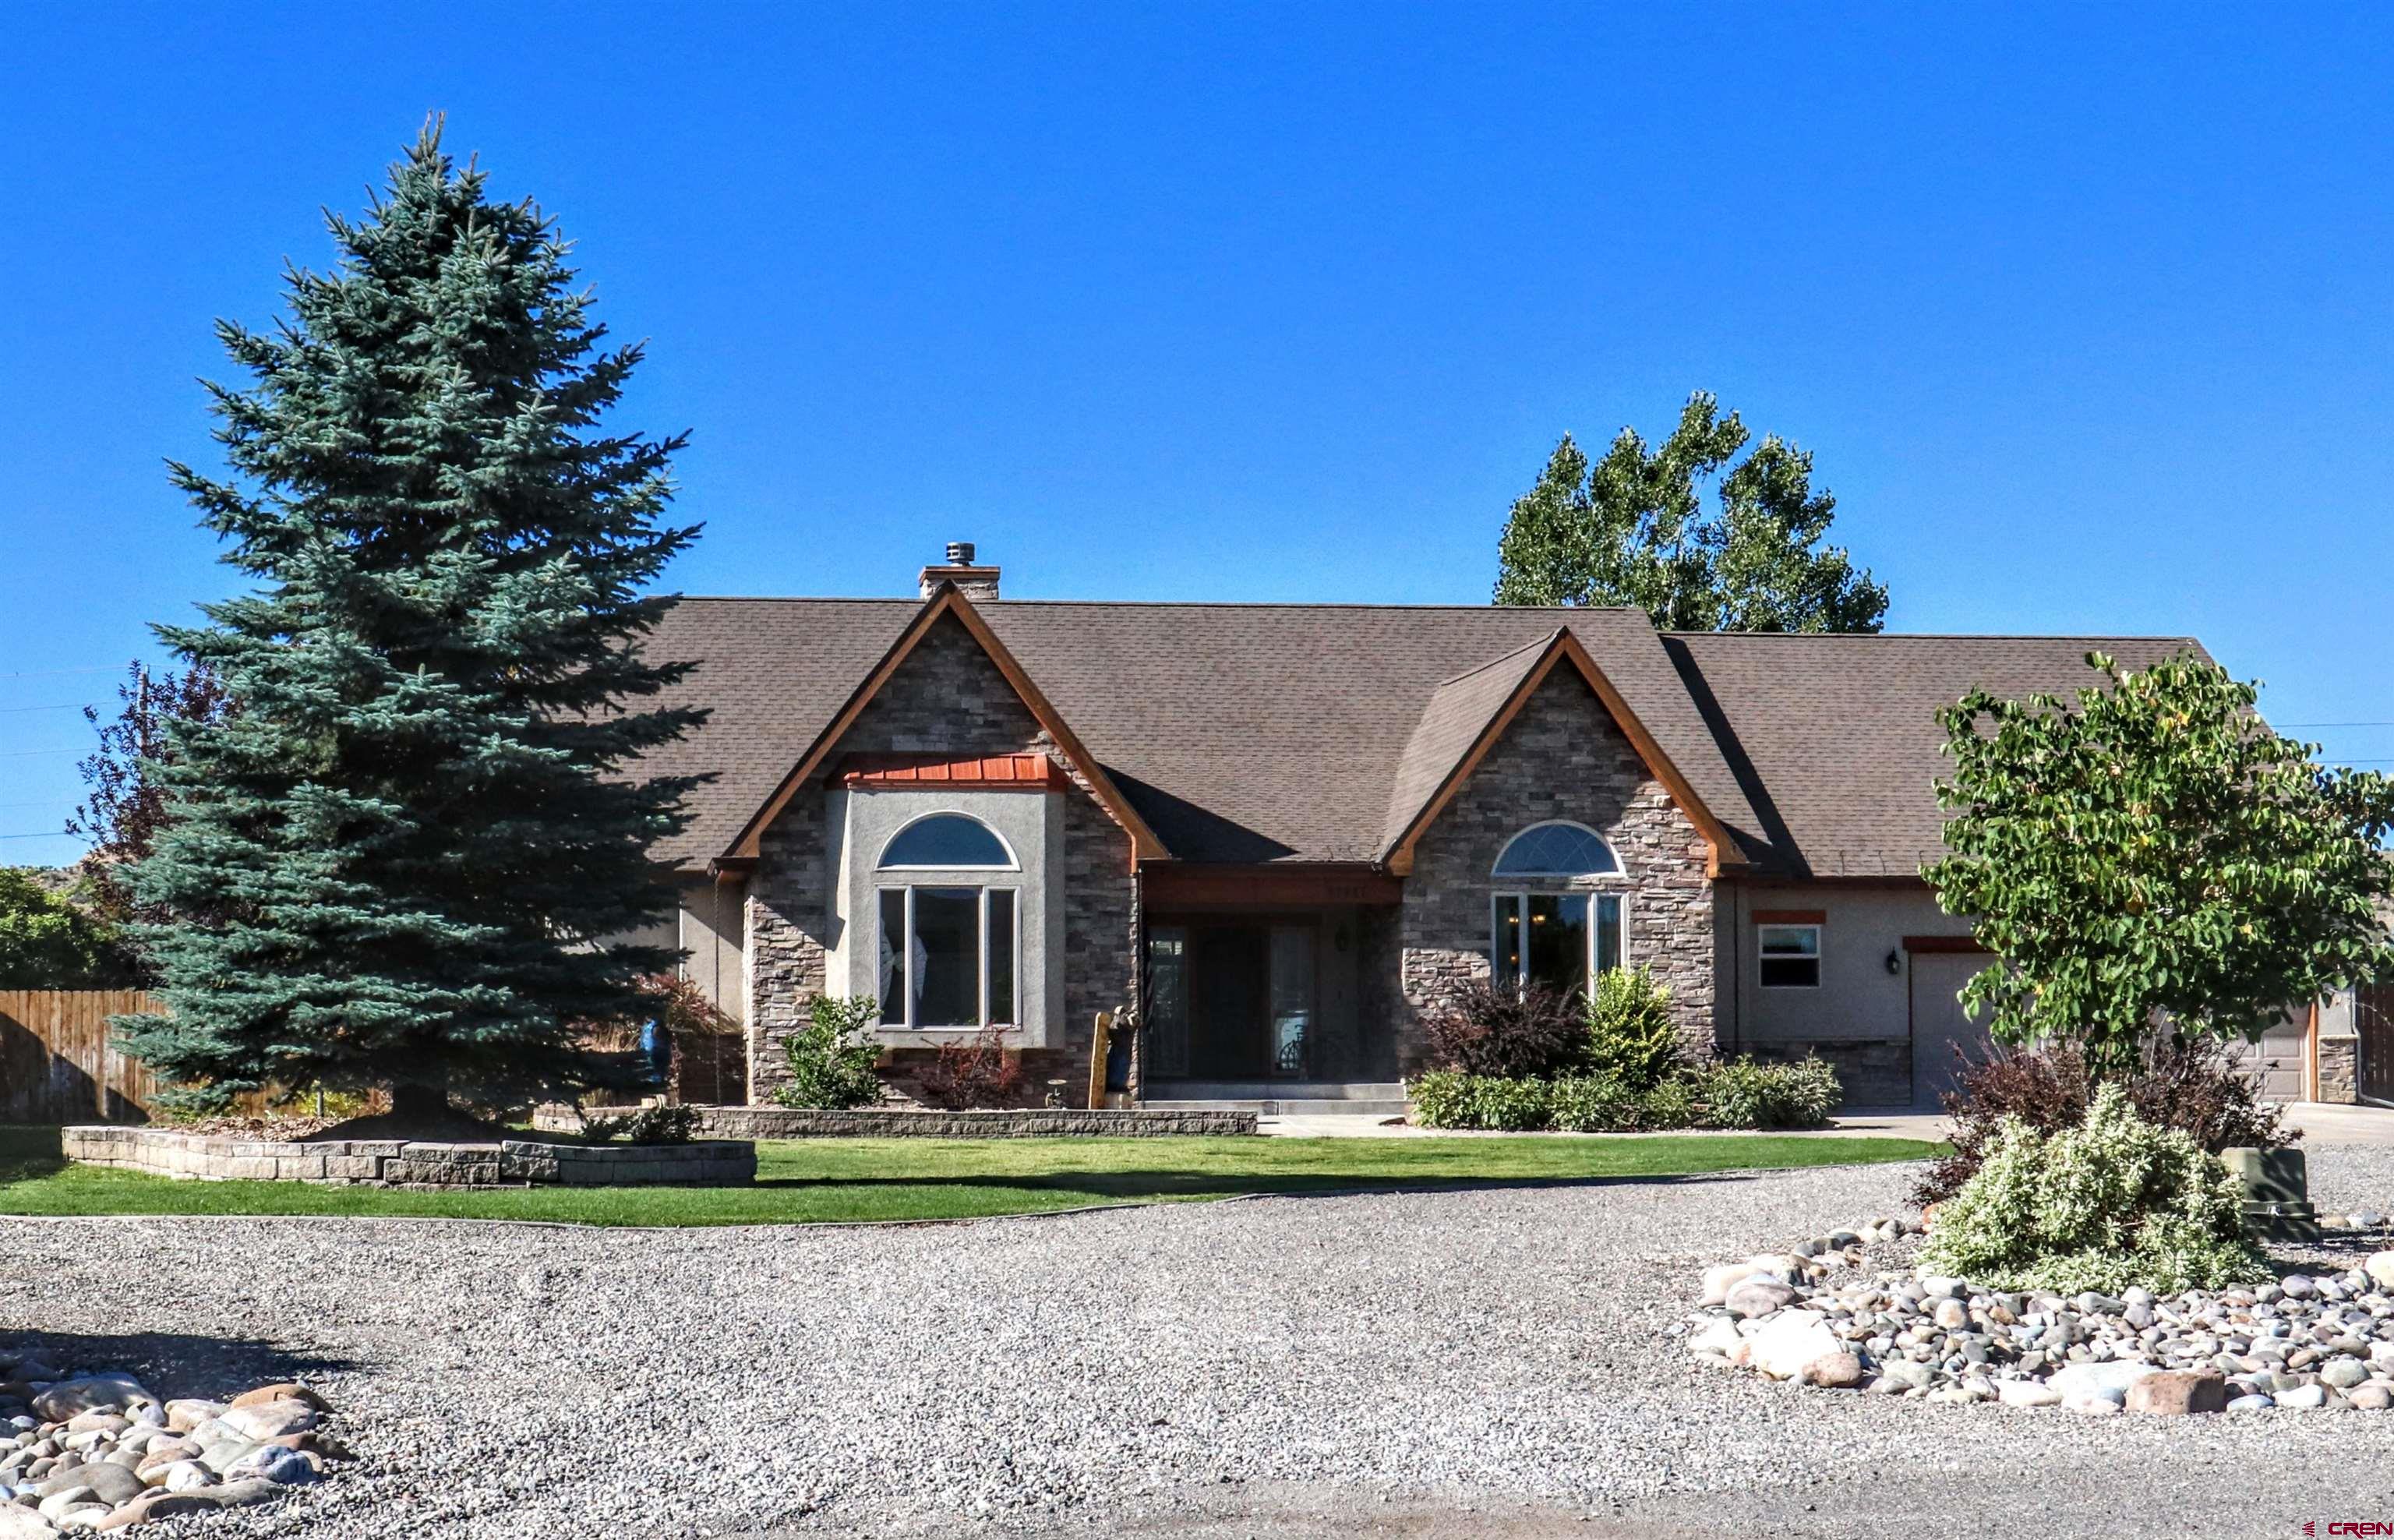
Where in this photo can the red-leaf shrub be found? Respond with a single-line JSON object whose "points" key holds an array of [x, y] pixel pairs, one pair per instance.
{"points": [[979, 1072], [1499, 1030], [2176, 1083]]}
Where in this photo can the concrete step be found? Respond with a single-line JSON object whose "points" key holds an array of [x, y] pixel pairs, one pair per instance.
{"points": [[1282, 1098]]}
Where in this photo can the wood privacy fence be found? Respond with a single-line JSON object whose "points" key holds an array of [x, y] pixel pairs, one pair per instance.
{"points": [[57, 1064]]}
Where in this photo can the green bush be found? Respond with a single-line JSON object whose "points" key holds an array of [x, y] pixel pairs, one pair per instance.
{"points": [[1630, 1037], [830, 1067], [1672, 1104], [1745, 1093], [1449, 1099], [1594, 1104], [2115, 1202]]}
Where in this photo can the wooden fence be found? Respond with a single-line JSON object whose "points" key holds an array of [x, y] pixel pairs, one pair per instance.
{"points": [[57, 1063]]}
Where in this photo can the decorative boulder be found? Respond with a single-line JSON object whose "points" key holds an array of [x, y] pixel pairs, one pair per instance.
{"points": [[1792, 1340], [2177, 1393]]}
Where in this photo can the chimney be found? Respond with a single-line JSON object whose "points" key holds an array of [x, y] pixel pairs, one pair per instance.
{"points": [[975, 581]]}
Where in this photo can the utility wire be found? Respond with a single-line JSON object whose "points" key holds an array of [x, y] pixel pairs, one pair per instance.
{"points": [[52, 673], [63, 706], [33, 753]]}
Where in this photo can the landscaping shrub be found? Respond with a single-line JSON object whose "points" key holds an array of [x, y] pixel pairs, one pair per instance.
{"points": [[1449, 1099], [1594, 1104], [980, 1072], [829, 1066], [1746, 1093], [1630, 1036], [2113, 1202], [1501, 1030], [2191, 1086], [645, 1125]]}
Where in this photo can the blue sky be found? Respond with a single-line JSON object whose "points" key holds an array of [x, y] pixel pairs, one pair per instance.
{"points": [[2084, 310]]}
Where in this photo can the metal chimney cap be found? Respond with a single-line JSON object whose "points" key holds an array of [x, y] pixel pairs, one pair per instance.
{"points": [[960, 553]]}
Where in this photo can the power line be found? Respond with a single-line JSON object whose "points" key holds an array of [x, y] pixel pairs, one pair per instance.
{"points": [[59, 836], [54, 673], [33, 753], [2332, 724], [63, 706]]}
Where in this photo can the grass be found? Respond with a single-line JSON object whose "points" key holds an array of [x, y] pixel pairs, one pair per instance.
{"points": [[816, 1180]]}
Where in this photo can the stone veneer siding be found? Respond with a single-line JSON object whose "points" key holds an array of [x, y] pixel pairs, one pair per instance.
{"points": [[947, 698], [2339, 1068], [411, 1162], [1561, 758]]}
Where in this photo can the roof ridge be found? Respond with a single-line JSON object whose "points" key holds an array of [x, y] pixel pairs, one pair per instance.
{"points": [[1172, 603], [1535, 643], [1939, 636]]}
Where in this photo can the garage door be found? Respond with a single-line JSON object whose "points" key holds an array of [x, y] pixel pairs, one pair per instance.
{"points": [[1938, 1024]]}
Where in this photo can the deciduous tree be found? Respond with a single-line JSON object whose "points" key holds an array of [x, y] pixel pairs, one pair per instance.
{"points": [[2152, 853]]}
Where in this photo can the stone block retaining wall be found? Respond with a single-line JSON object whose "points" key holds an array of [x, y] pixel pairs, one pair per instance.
{"points": [[409, 1162], [754, 1123]]}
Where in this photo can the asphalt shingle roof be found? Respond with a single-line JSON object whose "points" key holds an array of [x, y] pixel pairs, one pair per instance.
{"points": [[1260, 732]]}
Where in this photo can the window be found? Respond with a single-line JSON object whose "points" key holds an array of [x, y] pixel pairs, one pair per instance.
{"points": [[948, 956], [1791, 955], [1561, 940], [945, 842], [1558, 850]]}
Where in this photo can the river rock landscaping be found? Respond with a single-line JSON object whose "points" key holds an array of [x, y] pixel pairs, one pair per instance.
{"points": [[1830, 1313], [96, 1451]]}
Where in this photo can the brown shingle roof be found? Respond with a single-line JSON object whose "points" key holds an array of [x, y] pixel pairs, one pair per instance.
{"points": [[1836, 738], [1259, 732], [1241, 732]]}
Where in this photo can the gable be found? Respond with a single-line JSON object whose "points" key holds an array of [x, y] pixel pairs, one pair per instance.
{"points": [[1563, 661], [947, 688]]}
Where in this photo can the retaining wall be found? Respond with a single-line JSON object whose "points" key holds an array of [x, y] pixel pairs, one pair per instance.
{"points": [[411, 1162], [754, 1123]]}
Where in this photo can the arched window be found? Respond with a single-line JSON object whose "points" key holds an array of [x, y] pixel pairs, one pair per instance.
{"points": [[946, 842], [1560, 941], [950, 943], [1558, 850]]}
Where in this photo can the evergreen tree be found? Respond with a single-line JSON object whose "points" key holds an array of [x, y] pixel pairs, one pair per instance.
{"points": [[1632, 529], [399, 859]]}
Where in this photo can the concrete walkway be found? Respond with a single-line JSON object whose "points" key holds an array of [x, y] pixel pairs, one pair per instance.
{"points": [[2321, 1123]]}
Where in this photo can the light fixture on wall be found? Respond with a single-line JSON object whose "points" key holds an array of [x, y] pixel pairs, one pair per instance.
{"points": [[1895, 959]]}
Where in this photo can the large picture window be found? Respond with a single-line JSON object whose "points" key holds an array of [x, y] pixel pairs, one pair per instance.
{"points": [[1560, 941], [948, 956], [949, 950]]}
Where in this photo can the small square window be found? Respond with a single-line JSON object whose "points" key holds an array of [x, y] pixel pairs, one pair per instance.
{"points": [[1791, 956]]}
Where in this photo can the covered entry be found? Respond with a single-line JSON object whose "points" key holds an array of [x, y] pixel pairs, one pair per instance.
{"points": [[1942, 1032], [1256, 975]]}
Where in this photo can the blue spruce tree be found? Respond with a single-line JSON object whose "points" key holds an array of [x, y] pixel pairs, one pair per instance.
{"points": [[405, 857]]}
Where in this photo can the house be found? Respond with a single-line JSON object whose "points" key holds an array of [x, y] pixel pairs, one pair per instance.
{"points": [[1278, 835]]}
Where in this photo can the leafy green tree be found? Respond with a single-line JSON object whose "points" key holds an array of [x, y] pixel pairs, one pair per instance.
{"points": [[407, 849], [2153, 851], [47, 943], [1632, 529]]}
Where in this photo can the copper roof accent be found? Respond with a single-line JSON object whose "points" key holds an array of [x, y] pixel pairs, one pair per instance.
{"points": [[1313, 733], [1026, 772]]}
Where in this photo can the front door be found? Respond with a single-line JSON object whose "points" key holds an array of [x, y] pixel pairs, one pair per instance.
{"points": [[1233, 999]]}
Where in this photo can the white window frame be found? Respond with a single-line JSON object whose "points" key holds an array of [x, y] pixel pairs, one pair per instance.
{"points": [[1759, 957], [1521, 896], [1011, 864], [906, 991]]}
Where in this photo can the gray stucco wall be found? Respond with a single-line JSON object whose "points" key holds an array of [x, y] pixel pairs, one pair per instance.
{"points": [[1032, 825], [947, 698], [1561, 758]]}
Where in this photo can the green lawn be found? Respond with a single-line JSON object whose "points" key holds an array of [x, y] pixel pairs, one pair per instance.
{"points": [[813, 1180]]}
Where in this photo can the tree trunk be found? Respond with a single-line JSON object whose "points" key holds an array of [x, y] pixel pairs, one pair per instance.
{"points": [[415, 1102]]}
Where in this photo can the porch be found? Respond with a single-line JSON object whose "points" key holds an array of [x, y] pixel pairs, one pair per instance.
{"points": [[1271, 990]]}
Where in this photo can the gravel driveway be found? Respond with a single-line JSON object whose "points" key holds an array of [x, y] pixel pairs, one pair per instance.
{"points": [[1486, 1364]]}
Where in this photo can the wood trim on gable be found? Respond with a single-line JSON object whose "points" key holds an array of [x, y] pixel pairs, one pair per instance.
{"points": [[946, 601], [1720, 846]]}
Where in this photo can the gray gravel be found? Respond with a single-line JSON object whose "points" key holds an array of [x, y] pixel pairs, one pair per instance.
{"points": [[1488, 1364]]}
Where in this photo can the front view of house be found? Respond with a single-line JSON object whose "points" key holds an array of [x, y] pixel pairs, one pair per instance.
{"points": [[1278, 836]]}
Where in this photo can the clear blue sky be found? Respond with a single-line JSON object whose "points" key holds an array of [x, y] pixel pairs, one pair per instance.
{"points": [[2084, 310]]}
